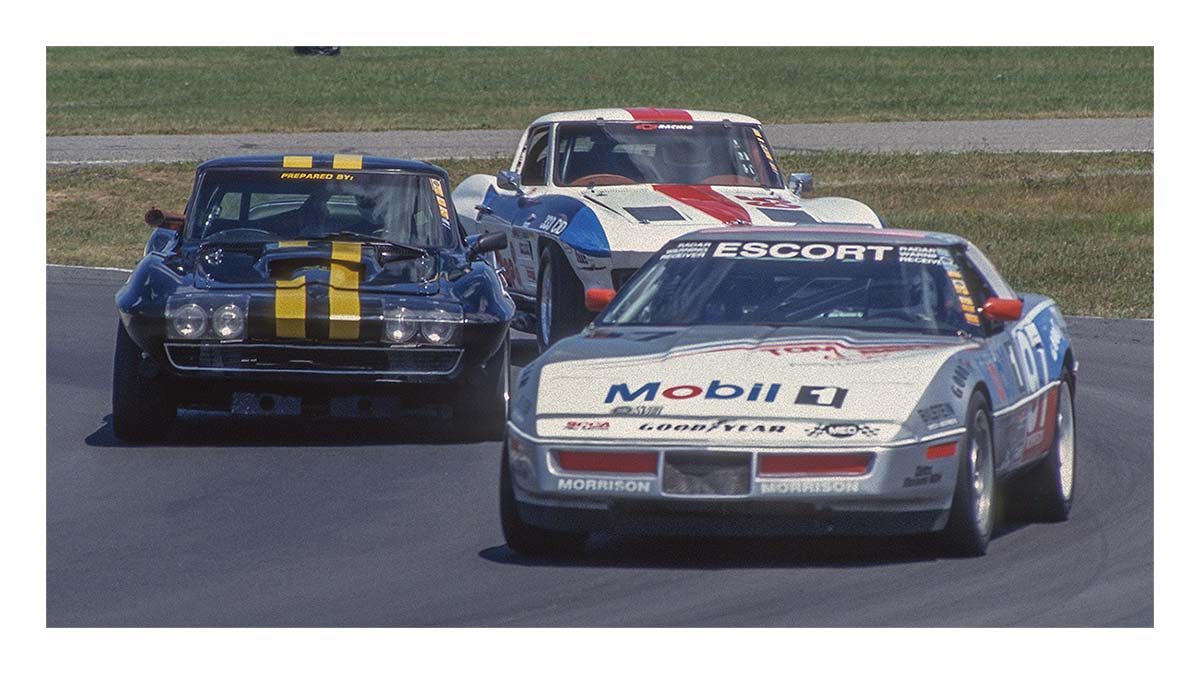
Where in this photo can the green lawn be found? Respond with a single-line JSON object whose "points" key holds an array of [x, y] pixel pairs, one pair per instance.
{"points": [[1077, 227], [223, 89]]}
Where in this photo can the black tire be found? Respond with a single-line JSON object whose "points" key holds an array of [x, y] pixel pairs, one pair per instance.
{"points": [[481, 407], [560, 307], [527, 539], [969, 529], [1049, 489], [142, 407]]}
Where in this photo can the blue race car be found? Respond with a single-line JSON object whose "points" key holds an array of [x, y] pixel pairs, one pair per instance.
{"points": [[317, 285]]}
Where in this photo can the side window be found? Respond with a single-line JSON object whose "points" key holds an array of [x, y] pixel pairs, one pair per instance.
{"points": [[979, 287], [533, 169], [230, 207], [987, 271]]}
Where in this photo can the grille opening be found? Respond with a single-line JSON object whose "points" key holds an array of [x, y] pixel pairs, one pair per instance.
{"points": [[706, 473]]}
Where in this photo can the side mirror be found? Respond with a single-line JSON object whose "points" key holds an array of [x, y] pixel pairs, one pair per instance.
{"points": [[509, 180], [996, 309], [800, 183], [158, 218], [598, 299], [486, 243]]}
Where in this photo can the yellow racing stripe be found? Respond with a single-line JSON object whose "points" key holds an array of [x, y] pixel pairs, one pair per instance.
{"points": [[292, 244], [344, 310], [347, 161], [295, 161], [290, 301]]}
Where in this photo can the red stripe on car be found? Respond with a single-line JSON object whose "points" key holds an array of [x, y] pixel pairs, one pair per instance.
{"points": [[659, 115], [709, 201]]}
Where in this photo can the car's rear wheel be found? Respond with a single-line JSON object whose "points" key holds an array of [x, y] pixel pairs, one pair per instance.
{"points": [[1050, 487], [560, 308], [142, 407], [527, 539], [973, 510], [481, 407]]}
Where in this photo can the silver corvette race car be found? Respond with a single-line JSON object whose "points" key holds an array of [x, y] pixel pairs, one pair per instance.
{"points": [[819, 380]]}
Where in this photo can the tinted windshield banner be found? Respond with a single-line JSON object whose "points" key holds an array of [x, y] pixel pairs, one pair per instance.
{"points": [[815, 251]]}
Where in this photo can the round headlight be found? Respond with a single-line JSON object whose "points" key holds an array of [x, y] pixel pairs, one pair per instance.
{"points": [[398, 326], [441, 330], [189, 321], [229, 321]]}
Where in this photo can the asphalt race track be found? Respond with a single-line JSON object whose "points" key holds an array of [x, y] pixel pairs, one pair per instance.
{"points": [[249, 523], [998, 135]]}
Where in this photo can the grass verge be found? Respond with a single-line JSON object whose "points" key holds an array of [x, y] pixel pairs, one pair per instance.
{"points": [[1079, 228], [107, 90]]}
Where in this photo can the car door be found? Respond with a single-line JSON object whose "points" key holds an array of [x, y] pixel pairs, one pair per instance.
{"points": [[1018, 367]]}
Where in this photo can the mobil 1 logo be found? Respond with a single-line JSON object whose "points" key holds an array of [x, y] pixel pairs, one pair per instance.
{"points": [[824, 396]]}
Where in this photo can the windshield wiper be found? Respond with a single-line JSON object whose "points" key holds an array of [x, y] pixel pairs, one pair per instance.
{"points": [[409, 251]]}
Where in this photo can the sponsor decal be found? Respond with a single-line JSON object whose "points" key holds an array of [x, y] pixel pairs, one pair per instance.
{"points": [[823, 396], [927, 255], [586, 426], [923, 475], [1056, 339], [786, 250], [602, 484], [809, 487], [439, 193], [508, 268], [638, 411], [842, 350], [995, 375], [646, 126], [959, 379], [715, 390], [843, 430], [687, 249], [1040, 419], [766, 150], [937, 416], [719, 426], [303, 175], [526, 248], [770, 202]]}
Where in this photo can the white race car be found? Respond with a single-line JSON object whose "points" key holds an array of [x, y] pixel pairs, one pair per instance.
{"points": [[592, 194], [802, 380]]}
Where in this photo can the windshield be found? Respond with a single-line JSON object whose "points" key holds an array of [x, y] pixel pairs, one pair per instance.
{"points": [[275, 204], [810, 284], [677, 153]]}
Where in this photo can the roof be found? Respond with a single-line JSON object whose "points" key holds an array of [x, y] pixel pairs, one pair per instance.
{"points": [[323, 161], [835, 233], [644, 115]]}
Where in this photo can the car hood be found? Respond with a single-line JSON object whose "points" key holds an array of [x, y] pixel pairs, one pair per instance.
{"points": [[348, 264], [644, 217], [738, 385]]}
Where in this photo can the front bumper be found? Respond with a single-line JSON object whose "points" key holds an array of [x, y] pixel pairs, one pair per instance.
{"points": [[902, 491]]}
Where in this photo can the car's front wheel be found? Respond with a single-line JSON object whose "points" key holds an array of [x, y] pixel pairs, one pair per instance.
{"points": [[524, 538], [142, 407], [973, 510], [560, 308]]}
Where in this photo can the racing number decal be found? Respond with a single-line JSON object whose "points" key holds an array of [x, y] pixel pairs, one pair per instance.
{"points": [[824, 396], [1033, 367]]}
